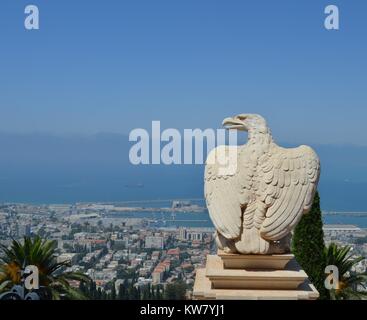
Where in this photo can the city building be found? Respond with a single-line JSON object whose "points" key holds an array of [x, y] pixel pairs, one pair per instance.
{"points": [[154, 242]]}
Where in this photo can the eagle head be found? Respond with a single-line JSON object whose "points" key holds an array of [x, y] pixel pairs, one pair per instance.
{"points": [[246, 122]]}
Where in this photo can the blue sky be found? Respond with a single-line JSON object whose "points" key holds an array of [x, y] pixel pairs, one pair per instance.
{"points": [[111, 66]]}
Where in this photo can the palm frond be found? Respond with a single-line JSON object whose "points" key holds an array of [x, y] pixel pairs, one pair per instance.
{"points": [[40, 253], [342, 258]]}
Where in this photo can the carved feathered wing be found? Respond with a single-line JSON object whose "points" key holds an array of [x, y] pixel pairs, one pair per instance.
{"points": [[288, 180], [221, 193]]}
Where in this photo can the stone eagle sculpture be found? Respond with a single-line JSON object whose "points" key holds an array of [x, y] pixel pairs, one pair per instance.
{"points": [[255, 208]]}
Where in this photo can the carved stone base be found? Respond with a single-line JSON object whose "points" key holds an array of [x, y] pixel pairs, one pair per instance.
{"points": [[225, 278], [254, 261]]}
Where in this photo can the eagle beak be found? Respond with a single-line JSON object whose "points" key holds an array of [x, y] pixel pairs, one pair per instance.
{"points": [[234, 123]]}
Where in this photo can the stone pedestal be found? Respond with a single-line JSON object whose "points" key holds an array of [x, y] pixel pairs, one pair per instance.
{"points": [[237, 276]]}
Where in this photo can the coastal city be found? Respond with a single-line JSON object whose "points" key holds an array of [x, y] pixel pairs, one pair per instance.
{"points": [[120, 246], [114, 250]]}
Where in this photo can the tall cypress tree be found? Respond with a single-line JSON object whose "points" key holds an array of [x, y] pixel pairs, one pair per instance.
{"points": [[113, 291], [308, 246], [122, 292]]}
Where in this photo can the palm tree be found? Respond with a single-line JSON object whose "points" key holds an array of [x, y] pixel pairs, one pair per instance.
{"points": [[54, 283], [349, 281]]}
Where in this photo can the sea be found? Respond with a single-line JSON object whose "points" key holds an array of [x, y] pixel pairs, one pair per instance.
{"points": [[195, 219]]}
